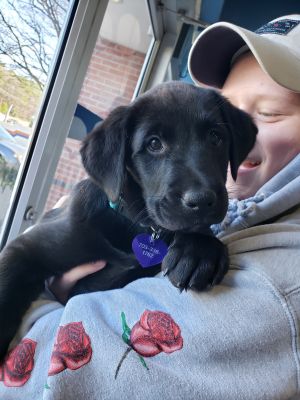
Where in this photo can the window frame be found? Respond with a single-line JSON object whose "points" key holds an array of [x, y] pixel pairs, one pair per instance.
{"points": [[60, 99]]}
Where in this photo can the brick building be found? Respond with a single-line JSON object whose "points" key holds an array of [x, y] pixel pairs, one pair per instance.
{"points": [[110, 81]]}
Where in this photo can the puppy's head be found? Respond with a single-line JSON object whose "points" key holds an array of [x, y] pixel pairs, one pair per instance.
{"points": [[175, 143]]}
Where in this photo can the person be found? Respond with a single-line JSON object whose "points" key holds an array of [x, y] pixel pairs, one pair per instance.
{"points": [[239, 340]]}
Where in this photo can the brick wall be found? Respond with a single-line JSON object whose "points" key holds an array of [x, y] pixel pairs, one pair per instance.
{"points": [[110, 81], [111, 77]]}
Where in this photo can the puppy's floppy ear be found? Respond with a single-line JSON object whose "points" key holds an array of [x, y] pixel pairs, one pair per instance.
{"points": [[103, 152], [242, 134]]}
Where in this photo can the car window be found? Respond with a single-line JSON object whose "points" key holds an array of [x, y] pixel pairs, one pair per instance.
{"points": [[5, 135]]}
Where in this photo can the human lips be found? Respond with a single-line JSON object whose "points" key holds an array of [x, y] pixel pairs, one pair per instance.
{"points": [[250, 164]]}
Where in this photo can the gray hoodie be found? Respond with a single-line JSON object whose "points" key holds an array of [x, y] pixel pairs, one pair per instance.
{"points": [[239, 340]]}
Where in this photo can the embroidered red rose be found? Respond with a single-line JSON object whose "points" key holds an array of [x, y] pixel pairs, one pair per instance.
{"points": [[72, 348], [155, 332], [18, 364]]}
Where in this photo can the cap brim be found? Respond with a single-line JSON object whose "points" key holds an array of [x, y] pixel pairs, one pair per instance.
{"points": [[211, 56]]}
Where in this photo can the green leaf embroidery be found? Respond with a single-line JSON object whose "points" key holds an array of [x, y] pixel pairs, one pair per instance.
{"points": [[47, 386], [143, 362], [126, 329], [126, 338]]}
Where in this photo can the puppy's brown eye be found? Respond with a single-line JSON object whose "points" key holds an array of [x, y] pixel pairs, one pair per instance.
{"points": [[155, 145], [215, 138]]}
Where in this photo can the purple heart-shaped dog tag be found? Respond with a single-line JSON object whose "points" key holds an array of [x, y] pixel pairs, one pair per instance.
{"points": [[148, 251]]}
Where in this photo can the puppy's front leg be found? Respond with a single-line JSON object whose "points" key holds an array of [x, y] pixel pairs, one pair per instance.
{"points": [[18, 287], [195, 261]]}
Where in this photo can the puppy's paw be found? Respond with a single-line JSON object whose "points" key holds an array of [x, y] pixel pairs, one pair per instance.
{"points": [[196, 261]]}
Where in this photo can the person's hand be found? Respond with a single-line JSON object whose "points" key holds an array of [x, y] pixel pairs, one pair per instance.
{"points": [[62, 286]]}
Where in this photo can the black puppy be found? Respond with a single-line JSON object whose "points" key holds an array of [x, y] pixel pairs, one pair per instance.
{"points": [[165, 157]]}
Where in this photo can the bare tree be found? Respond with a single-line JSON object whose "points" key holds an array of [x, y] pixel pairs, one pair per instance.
{"points": [[29, 30]]}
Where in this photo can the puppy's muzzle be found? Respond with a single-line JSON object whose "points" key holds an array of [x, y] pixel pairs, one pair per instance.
{"points": [[193, 200], [189, 209]]}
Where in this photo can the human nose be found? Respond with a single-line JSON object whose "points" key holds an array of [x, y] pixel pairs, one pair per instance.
{"points": [[244, 106], [250, 109], [240, 101]]}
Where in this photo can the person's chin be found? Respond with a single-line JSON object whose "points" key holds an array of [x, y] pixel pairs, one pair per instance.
{"points": [[246, 184]]}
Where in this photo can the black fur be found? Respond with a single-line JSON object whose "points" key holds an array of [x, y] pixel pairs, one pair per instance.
{"points": [[166, 155]]}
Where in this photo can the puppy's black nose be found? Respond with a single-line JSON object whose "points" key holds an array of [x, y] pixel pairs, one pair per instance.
{"points": [[204, 199]]}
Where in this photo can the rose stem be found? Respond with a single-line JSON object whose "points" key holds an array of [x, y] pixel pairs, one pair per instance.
{"points": [[121, 361]]}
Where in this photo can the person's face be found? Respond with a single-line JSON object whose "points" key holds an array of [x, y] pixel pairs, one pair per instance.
{"points": [[276, 112]]}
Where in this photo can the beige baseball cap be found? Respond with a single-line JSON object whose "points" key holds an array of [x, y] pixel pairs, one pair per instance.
{"points": [[276, 46]]}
